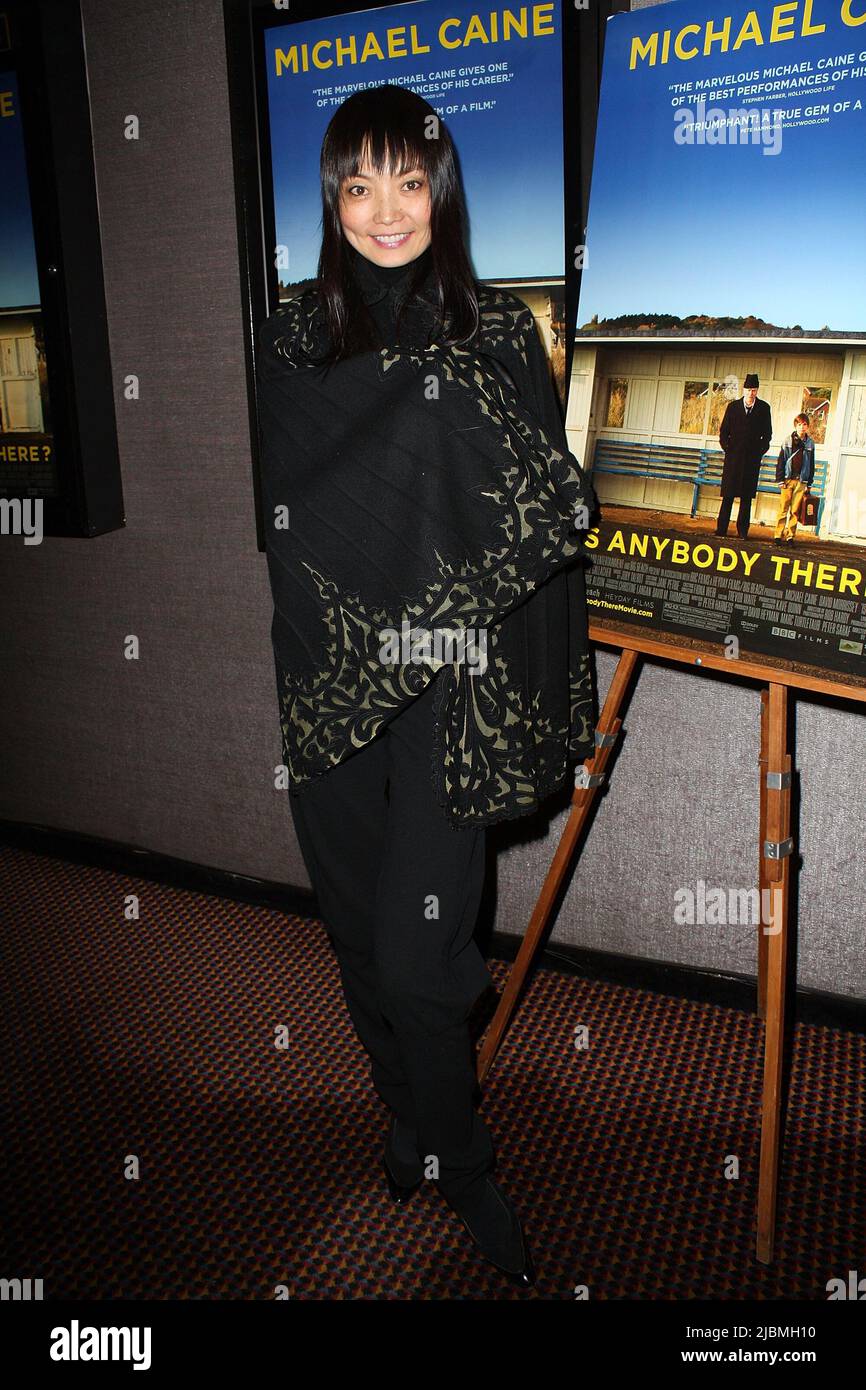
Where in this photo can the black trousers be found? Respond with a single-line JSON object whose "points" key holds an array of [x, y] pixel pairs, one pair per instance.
{"points": [[399, 890], [744, 515]]}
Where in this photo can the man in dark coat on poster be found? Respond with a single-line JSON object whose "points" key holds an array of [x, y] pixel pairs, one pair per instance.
{"points": [[744, 435]]}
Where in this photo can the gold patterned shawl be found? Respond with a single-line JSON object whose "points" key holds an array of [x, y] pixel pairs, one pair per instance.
{"points": [[410, 490]]}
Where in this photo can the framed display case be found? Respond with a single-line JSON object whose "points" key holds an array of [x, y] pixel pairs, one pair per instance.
{"points": [[58, 441]]}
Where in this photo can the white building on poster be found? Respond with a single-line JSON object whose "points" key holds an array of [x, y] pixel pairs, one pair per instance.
{"points": [[670, 394]]}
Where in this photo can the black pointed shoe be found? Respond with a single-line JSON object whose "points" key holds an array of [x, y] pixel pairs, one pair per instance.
{"points": [[492, 1221], [404, 1171]]}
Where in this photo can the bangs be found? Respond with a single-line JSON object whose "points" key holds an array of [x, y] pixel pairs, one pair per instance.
{"points": [[394, 152]]}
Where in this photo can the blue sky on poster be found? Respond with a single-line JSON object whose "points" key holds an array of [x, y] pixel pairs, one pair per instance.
{"points": [[511, 154], [19, 283], [726, 229]]}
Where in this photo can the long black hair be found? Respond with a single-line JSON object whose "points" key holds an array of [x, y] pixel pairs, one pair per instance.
{"points": [[396, 130]]}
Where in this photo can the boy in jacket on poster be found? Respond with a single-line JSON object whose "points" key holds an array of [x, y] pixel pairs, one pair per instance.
{"points": [[795, 469]]}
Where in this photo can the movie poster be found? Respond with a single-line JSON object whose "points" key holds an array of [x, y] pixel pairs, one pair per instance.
{"points": [[494, 77], [719, 379], [26, 442]]}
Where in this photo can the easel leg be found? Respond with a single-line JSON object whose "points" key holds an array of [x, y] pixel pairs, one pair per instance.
{"points": [[606, 734], [776, 855], [763, 883]]}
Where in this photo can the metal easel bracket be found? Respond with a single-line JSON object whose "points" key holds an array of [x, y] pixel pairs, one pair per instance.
{"points": [[777, 781], [778, 849], [584, 779], [587, 780]]}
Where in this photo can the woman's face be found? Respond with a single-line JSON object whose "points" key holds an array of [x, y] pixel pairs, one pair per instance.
{"points": [[386, 216]]}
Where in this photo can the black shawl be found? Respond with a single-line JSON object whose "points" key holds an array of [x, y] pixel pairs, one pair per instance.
{"points": [[412, 491]]}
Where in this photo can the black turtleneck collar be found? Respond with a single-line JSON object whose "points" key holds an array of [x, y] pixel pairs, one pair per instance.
{"points": [[377, 280]]}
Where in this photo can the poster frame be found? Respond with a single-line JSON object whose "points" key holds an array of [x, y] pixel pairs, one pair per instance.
{"points": [[46, 48], [251, 162]]}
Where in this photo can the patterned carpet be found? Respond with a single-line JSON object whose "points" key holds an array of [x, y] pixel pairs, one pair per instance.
{"points": [[152, 1040]]}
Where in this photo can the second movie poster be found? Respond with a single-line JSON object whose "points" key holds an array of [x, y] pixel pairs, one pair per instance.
{"points": [[718, 390]]}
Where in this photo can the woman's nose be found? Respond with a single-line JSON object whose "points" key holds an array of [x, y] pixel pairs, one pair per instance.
{"points": [[387, 211]]}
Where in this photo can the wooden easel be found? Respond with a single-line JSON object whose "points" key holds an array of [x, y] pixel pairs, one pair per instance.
{"points": [[775, 850]]}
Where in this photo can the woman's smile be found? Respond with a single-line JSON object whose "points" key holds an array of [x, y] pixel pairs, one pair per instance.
{"points": [[391, 241]]}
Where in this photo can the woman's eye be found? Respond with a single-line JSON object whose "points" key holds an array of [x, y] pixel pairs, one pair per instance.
{"points": [[361, 188]]}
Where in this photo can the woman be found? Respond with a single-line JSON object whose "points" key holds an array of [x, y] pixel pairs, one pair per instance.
{"points": [[423, 520]]}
